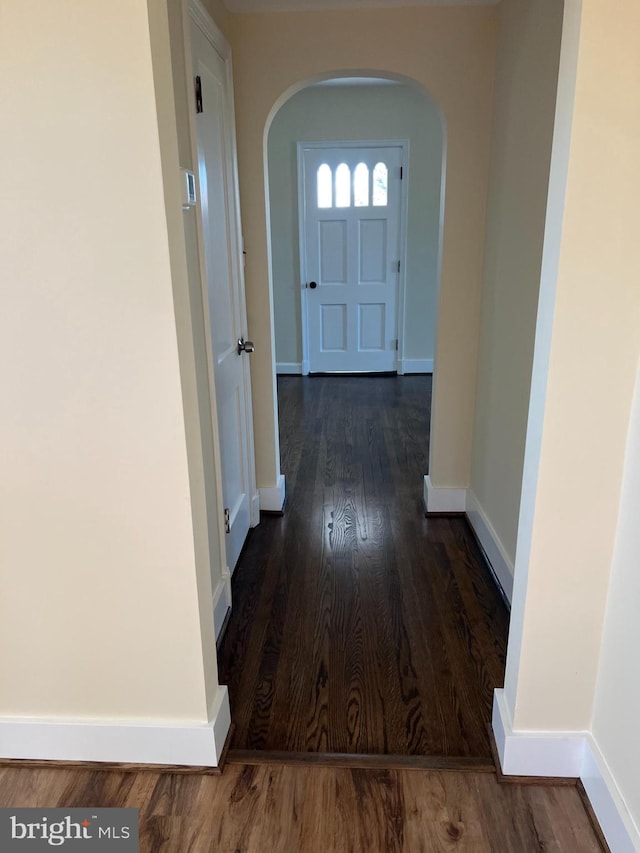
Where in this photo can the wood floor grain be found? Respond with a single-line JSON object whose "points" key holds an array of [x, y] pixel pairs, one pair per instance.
{"points": [[359, 626], [279, 809]]}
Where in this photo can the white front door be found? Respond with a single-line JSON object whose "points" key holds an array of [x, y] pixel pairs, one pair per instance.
{"points": [[224, 297], [350, 256]]}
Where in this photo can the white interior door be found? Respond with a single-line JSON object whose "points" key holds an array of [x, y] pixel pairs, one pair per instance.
{"points": [[351, 256], [224, 297]]}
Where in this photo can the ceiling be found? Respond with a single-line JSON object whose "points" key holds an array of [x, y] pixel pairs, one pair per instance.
{"points": [[355, 81], [319, 5]]}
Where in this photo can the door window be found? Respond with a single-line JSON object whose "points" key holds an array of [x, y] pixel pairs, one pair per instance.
{"points": [[325, 195], [343, 186], [380, 179], [362, 188], [361, 185]]}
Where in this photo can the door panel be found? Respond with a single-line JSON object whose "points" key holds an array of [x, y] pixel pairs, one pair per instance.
{"points": [[333, 323], [373, 251], [224, 295], [371, 327], [351, 234], [333, 252]]}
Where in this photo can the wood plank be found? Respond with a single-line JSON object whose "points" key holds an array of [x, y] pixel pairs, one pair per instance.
{"points": [[115, 766], [362, 760], [358, 625], [267, 807]]}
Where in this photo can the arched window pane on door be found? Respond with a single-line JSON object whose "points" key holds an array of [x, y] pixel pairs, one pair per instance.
{"points": [[380, 177], [343, 186], [324, 186], [361, 185]]}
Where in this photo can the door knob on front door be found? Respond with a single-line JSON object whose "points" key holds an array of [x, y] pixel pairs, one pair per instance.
{"points": [[245, 346], [313, 285]]}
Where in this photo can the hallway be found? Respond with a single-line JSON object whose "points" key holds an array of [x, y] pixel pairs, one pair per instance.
{"points": [[359, 626]]}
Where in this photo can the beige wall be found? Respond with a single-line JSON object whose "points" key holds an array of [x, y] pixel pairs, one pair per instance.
{"points": [[99, 591], [219, 12], [449, 51], [573, 479], [524, 107], [359, 113]]}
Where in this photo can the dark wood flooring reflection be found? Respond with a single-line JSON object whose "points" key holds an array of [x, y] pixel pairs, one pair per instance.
{"points": [[319, 810], [359, 626]]}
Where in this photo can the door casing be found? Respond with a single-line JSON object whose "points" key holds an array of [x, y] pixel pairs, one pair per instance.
{"points": [[195, 13]]}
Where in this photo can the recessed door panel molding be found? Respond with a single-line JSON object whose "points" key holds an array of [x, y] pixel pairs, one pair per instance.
{"points": [[371, 327], [373, 251], [232, 459], [333, 328], [352, 212], [332, 243]]}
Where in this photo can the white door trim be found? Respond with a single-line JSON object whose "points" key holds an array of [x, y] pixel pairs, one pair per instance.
{"points": [[195, 12], [203, 19], [403, 144]]}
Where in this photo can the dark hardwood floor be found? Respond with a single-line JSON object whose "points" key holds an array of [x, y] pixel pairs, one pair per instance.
{"points": [[359, 626], [319, 810]]}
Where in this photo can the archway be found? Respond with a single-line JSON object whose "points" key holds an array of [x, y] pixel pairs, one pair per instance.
{"points": [[348, 106]]}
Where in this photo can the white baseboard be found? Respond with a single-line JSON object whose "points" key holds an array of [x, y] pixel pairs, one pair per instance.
{"points": [[404, 365], [443, 499], [127, 742], [221, 602], [255, 510], [569, 755], [272, 497], [490, 541], [415, 365], [534, 753], [619, 828], [220, 716], [293, 368]]}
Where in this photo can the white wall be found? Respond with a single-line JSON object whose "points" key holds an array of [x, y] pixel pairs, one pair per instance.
{"points": [[100, 582], [524, 106], [617, 701], [358, 113]]}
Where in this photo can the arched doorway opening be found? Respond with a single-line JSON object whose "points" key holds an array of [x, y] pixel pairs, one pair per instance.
{"points": [[340, 109]]}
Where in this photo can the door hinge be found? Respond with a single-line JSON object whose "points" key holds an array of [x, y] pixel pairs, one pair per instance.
{"points": [[227, 521], [198, 88], [401, 172], [398, 268], [396, 345]]}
